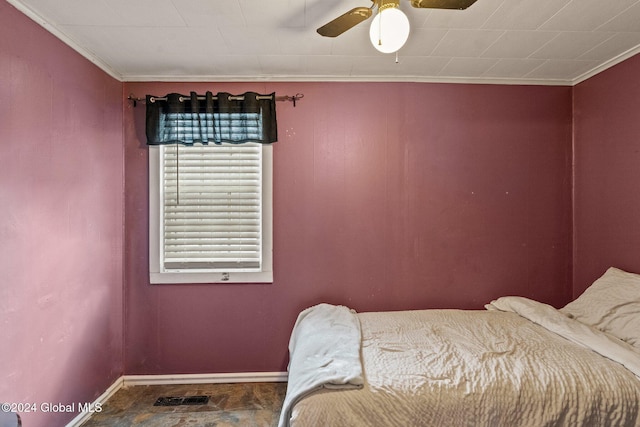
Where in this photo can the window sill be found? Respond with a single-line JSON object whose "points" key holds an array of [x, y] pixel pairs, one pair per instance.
{"points": [[265, 277]]}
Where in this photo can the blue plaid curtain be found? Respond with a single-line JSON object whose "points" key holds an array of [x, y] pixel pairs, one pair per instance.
{"points": [[235, 119]]}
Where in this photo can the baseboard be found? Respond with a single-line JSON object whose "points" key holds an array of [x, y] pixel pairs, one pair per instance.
{"points": [[242, 377], [134, 380], [84, 416]]}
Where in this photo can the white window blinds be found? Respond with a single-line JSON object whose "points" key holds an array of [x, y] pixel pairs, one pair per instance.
{"points": [[211, 207]]}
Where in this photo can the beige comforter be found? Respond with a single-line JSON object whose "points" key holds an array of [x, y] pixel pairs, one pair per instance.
{"points": [[480, 368]]}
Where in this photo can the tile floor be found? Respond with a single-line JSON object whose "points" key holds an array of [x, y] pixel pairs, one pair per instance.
{"points": [[241, 404]]}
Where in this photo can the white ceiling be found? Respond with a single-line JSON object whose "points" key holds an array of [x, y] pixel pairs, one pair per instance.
{"points": [[552, 42]]}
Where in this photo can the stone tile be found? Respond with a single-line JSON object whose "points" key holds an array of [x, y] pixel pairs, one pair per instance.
{"points": [[241, 404]]}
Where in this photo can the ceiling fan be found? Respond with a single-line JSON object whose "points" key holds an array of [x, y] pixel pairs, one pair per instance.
{"points": [[390, 27]]}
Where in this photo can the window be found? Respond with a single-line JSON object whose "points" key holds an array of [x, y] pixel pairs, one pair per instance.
{"points": [[210, 206], [210, 213]]}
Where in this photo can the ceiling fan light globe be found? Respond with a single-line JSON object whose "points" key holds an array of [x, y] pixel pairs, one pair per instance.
{"points": [[389, 30]]}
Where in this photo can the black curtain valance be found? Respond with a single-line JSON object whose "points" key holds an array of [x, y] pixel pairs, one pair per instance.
{"points": [[190, 119]]}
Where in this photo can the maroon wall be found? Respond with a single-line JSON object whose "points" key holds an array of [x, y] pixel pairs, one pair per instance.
{"points": [[61, 185], [387, 196], [607, 173]]}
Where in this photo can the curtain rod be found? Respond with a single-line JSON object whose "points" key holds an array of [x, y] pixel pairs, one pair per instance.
{"points": [[292, 98]]}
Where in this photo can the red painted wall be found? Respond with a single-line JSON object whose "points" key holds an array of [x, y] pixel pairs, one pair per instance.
{"points": [[61, 184], [387, 196], [607, 173]]}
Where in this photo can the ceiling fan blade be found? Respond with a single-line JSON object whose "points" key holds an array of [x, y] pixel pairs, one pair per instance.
{"points": [[345, 22], [442, 4]]}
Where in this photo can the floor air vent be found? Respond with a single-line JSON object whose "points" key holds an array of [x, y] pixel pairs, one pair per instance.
{"points": [[177, 401]]}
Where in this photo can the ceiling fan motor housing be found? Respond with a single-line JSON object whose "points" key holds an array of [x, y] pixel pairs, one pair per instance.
{"points": [[385, 4]]}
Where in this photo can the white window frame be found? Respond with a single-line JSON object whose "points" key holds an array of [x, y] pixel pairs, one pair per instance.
{"points": [[157, 275]]}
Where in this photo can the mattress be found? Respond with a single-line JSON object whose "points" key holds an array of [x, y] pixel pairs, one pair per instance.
{"points": [[494, 367]]}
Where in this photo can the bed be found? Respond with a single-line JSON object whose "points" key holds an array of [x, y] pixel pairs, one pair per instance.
{"points": [[517, 363]]}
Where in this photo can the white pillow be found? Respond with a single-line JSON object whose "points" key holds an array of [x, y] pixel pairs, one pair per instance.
{"points": [[611, 304]]}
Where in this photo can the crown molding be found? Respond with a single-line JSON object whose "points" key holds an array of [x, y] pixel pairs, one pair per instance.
{"points": [[606, 65], [38, 19], [369, 79]]}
